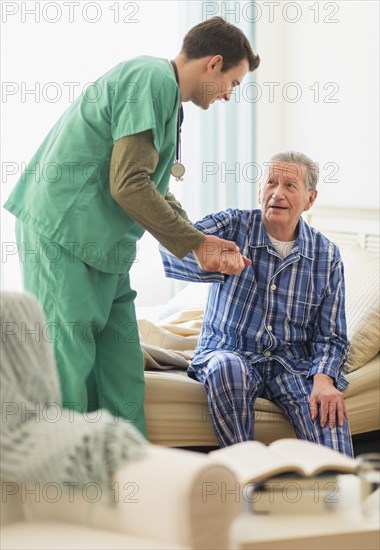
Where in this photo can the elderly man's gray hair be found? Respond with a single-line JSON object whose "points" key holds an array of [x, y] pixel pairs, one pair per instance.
{"points": [[295, 157]]}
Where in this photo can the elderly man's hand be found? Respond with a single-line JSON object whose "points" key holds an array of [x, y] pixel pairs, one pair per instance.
{"points": [[214, 254], [330, 401]]}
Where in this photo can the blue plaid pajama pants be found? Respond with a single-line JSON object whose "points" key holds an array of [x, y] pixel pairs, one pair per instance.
{"points": [[233, 384]]}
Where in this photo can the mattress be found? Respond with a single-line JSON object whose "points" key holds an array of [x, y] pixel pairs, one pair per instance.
{"points": [[177, 414]]}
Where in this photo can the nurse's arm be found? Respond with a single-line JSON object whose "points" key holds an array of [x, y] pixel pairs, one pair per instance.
{"points": [[176, 205], [134, 159], [229, 260]]}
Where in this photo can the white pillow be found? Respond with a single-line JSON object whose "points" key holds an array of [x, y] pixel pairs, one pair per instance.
{"points": [[361, 269], [193, 296]]}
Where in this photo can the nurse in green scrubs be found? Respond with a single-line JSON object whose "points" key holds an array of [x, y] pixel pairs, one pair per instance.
{"points": [[99, 179]]}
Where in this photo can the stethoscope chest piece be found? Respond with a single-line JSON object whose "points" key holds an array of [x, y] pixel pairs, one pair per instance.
{"points": [[178, 171]]}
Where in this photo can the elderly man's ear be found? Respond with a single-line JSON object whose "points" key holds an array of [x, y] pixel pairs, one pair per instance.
{"points": [[312, 197]]}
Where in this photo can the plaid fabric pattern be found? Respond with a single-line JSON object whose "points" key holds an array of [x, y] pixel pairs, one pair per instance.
{"points": [[233, 384], [290, 311]]}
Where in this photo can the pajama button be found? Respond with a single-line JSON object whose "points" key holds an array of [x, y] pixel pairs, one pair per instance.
{"points": [[269, 327], [273, 287], [267, 353]]}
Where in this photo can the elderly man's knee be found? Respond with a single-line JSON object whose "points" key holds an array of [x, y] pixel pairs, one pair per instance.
{"points": [[226, 365]]}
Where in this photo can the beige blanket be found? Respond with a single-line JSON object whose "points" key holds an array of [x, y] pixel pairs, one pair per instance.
{"points": [[170, 344]]}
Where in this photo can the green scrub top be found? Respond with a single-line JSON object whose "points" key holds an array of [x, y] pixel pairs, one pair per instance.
{"points": [[64, 193]]}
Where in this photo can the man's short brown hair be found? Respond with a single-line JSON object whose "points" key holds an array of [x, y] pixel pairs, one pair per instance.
{"points": [[218, 37]]}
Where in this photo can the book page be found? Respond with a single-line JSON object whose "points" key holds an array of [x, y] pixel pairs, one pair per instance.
{"points": [[254, 461], [312, 458]]}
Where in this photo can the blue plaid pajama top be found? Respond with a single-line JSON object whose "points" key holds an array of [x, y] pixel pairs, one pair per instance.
{"points": [[291, 311]]}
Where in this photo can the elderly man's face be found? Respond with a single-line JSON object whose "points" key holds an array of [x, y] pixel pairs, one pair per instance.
{"points": [[283, 197]]}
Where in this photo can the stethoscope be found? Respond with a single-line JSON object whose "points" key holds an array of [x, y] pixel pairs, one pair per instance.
{"points": [[178, 169]]}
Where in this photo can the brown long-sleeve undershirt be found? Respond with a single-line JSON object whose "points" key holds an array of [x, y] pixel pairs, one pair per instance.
{"points": [[134, 159]]}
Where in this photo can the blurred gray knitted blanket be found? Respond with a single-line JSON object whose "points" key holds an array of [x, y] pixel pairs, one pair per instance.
{"points": [[40, 441]]}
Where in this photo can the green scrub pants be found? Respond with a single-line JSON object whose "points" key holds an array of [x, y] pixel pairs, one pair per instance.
{"points": [[92, 325]]}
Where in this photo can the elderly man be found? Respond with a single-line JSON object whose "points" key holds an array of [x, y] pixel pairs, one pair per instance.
{"points": [[277, 329]]}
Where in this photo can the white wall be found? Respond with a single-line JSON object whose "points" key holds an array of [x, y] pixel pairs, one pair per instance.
{"points": [[339, 128]]}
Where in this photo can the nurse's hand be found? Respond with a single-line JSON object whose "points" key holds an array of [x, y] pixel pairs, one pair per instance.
{"points": [[214, 254]]}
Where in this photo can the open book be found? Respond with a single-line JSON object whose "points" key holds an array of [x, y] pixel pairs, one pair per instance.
{"points": [[253, 461]]}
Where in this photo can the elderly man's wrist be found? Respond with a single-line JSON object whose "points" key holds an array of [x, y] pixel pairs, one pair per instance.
{"points": [[321, 377]]}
